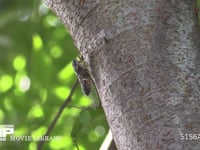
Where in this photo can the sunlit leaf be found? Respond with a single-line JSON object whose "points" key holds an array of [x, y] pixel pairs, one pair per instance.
{"points": [[19, 62], [52, 20], [6, 82], [37, 42], [36, 112], [39, 132], [20, 131], [64, 142], [66, 72], [93, 137], [33, 146], [43, 94], [7, 103], [61, 92], [56, 51]]}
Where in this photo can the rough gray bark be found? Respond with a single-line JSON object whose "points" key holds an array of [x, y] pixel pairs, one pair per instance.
{"points": [[145, 59]]}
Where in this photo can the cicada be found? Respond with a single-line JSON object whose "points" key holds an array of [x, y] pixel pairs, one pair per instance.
{"points": [[87, 84]]}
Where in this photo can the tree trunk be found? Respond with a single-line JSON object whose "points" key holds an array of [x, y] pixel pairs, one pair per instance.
{"points": [[145, 59]]}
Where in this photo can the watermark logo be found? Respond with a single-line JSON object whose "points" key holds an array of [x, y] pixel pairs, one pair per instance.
{"points": [[6, 130], [7, 134]]}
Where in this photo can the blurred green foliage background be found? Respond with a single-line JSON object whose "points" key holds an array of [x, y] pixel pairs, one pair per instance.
{"points": [[36, 77]]}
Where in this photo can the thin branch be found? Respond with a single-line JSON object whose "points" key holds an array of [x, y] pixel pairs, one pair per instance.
{"points": [[66, 102]]}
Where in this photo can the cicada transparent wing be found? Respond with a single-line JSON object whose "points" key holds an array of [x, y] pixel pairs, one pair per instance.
{"points": [[94, 96]]}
